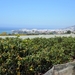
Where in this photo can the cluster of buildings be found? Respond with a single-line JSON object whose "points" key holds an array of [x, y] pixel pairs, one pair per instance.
{"points": [[42, 31]]}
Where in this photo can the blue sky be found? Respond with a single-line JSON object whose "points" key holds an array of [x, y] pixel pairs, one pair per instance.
{"points": [[37, 13]]}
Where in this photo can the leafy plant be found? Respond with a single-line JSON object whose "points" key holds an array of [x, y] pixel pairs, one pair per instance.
{"points": [[33, 56]]}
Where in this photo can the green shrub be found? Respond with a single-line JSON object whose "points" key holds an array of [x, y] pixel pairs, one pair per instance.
{"points": [[33, 56]]}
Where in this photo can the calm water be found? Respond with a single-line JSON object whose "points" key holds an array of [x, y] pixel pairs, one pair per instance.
{"points": [[8, 30]]}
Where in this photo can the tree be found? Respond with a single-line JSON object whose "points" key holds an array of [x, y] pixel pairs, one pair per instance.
{"points": [[4, 33], [68, 32]]}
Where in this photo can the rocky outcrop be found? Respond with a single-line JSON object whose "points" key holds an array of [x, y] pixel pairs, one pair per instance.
{"points": [[62, 69]]}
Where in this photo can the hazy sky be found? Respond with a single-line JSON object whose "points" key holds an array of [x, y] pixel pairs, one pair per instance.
{"points": [[37, 13]]}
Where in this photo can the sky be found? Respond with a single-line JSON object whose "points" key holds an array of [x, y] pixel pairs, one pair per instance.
{"points": [[48, 14]]}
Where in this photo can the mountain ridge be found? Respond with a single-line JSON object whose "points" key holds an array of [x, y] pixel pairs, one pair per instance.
{"points": [[71, 28]]}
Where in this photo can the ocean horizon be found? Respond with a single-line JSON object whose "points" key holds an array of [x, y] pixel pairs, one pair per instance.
{"points": [[7, 30]]}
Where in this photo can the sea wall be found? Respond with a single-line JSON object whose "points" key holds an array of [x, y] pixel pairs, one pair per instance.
{"points": [[62, 69]]}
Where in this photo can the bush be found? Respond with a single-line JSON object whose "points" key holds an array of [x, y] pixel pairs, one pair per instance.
{"points": [[33, 56]]}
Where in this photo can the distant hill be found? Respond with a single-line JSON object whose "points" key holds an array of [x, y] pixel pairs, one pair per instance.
{"points": [[71, 28]]}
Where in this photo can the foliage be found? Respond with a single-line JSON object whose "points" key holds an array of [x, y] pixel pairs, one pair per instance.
{"points": [[68, 32], [33, 56], [3, 34]]}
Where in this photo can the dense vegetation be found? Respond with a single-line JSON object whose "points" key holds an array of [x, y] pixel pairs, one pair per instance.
{"points": [[33, 56]]}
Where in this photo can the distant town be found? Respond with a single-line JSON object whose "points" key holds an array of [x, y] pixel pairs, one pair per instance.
{"points": [[45, 31]]}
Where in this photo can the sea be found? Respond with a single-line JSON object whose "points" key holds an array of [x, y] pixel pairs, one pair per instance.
{"points": [[7, 30]]}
